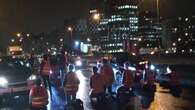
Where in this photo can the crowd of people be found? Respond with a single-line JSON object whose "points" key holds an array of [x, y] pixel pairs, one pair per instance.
{"points": [[101, 83]]}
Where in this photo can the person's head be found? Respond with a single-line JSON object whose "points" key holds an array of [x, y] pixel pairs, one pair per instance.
{"points": [[126, 65], [104, 61], [71, 67], [95, 70], [45, 57], [38, 82]]}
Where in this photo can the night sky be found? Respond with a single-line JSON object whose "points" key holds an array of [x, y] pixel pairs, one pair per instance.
{"points": [[45, 15]]}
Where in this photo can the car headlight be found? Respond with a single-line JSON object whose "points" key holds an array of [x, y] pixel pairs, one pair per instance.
{"points": [[3, 81], [132, 68], [32, 77], [78, 63], [152, 67]]}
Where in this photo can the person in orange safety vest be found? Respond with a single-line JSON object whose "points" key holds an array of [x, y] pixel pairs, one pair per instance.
{"points": [[149, 78], [97, 83], [127, 76], [71, 84], [38, 97], [108, 74], [45, 72]]}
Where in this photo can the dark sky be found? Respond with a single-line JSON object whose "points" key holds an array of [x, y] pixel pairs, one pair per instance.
{"points": [[45, 15]]}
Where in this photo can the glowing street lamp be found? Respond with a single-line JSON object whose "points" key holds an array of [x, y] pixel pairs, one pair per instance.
{"points": [[28, 35], [12, 40], [96, 17], [179, 39], [18, 34], [174, 44]]}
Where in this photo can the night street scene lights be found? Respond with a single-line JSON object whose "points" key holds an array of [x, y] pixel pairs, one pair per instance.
{"points": [[96, 17]]}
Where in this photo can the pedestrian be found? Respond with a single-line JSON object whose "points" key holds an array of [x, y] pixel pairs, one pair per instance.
{"points": [[38, 96], [98, 85], [127, 76], [71, 84], [175, 85], [108, 74], [45, 71], [62, 60]]}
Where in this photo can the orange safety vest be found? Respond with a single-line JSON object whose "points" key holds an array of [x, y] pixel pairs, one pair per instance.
{"points": [[174, 80], [150, 77], [39, 97], [127, 79], [71, 83], [97, 84], [46, 68], [108, 74]]}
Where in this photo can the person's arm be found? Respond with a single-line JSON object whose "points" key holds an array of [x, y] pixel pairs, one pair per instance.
{"points": [[30, 97]]}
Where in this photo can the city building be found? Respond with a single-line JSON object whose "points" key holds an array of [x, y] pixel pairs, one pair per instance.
{"points": [[118, 23], [182, 34], [150, 30]]}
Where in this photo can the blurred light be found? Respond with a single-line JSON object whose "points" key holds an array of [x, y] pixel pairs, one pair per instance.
{"points": [[76, 43], [179, 39], [167, 52], [32, 77], [27, 64], [70, 29], [3, 81], [50, 71], [183, 51], [48, 50], [152, 53], [152, 67], [61, 40], [18, 34], [54, 53], [88, 40], [21, 40], [168, 70], [33, 49], [96, 16], [78, 63], [22, 63], [186, 34], [191, 50], [27, 35], [133, 54], [132, 68], [139, 39], [135, 44], [12, 40], [158, 70], [174, 44], [186, 19]]}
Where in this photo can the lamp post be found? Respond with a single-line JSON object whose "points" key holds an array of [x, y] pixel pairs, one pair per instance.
{"points": [[70, 29]]}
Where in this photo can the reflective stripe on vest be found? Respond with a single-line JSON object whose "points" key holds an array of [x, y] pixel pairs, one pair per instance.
{"points": [[39, 97], [72, 82]]}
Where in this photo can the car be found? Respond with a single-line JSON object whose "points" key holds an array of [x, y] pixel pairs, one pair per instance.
{"points": [[135, 61], [15, 76]]}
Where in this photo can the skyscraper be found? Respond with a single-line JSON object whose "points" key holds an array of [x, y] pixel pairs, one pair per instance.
{"points": [[118, 23], [150, 30]]}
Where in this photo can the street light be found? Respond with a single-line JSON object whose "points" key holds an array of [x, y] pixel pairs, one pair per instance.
{"points": [[18, 34], [96, 16], [70, 29]]}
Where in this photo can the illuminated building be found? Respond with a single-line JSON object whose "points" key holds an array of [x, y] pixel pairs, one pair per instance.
{"points": [[150, 30], [118, 23], [182, 34]]}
